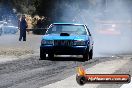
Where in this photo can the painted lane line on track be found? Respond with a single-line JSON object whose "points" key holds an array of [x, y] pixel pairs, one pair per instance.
{"points": [[107, 67], [129, 85]]}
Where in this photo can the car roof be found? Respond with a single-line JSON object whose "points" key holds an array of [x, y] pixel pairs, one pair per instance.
{"points": [[67, 24]]}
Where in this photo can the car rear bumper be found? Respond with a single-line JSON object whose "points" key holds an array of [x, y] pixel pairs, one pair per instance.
{"points": [[64, 50]]}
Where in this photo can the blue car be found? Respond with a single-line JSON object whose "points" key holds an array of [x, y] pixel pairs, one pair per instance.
{"points": [[67, 39]]}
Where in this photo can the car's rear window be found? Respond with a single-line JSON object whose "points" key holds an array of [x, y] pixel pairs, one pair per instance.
{"points": [[70, 29]]}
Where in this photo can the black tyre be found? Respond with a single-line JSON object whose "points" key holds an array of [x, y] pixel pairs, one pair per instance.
{"points": [[81, 80], [86, 56], [42, 54], [91, 54], [50, 55]]}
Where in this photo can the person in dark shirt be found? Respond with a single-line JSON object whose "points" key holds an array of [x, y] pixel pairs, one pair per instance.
{"points": [[39, 23], [22, 27]]}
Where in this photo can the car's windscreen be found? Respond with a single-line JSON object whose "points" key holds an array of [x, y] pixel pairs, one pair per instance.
{"points": [[70, 29]]}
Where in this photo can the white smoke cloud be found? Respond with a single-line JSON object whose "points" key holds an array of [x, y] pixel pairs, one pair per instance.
{"points": [[114, 15]]}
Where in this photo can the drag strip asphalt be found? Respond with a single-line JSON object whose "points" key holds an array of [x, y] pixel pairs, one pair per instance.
{"points": [[107, 67], [30, 72]]}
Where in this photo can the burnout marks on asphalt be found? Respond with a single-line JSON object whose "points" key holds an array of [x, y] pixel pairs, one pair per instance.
{"points": [[109, 68], [30, 70]]}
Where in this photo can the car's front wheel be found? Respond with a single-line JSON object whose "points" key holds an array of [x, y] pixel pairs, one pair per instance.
{"points": [[86, 56], [91, 54], [42, 54]]}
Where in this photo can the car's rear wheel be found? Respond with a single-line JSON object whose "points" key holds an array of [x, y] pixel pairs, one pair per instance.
{"points": [[42, 54]]}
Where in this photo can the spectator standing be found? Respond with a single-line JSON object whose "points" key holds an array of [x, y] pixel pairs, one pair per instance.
{"points": [[43, 21], [39, 23], [22, 27]]}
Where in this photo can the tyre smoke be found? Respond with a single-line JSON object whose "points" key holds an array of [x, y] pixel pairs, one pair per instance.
{"points": [[109, 21]]}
